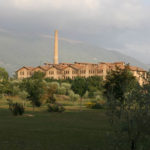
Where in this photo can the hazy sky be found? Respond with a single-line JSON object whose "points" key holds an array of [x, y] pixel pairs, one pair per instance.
{"points": [[122, 25]]}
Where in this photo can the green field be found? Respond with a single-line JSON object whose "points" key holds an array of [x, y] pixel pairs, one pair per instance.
{"points": [[71, 130]]}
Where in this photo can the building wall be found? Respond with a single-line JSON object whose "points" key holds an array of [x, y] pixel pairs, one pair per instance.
{"points": [[53, 73], [24, 73], [83, 70]]}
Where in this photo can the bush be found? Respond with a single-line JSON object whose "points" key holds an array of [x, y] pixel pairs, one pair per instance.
{"points": [[16, 108], [73, 97], [61, 90], [66, 85], [94, 105], [55, 84], [55, 108]]}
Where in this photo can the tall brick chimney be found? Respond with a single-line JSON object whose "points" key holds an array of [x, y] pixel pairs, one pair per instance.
{"points": [[56, 48]]}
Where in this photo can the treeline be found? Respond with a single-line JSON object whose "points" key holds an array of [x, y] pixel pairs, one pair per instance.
{"points": [[39, 90]]}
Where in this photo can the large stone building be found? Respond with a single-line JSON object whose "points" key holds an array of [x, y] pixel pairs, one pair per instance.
{"points": [[72, 70]]}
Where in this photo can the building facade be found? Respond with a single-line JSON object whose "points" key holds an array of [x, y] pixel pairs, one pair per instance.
{"points": [[78, 69]]}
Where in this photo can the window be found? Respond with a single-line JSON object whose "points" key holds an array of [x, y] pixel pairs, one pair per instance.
{"points": [[91, 71], [22, 73], [51, 72], [66, 72], [82, 71], [74, 72], [99, 71]]}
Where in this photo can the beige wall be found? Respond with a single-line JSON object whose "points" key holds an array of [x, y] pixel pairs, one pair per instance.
{"points": [[86, 70], [53, 73], [24, 73]]}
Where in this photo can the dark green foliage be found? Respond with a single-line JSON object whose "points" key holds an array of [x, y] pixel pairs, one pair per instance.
{"points": [[13, 88], [79, 86], [4, 83], [51, 90], [118, 83], [3, 74], [35, 88], [94, 83], [16, 109], [55, 108], [128, 110], [38, 75], [59, 80]]}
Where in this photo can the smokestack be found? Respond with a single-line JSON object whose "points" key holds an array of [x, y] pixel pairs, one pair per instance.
{"points": [[56, 48]]}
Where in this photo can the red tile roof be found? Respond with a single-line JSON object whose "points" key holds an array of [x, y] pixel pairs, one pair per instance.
{"points": [[26, 67]]}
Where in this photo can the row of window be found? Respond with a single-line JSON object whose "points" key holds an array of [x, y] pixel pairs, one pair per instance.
{"points": [[95, 71], [68, 72], [23, 73]]}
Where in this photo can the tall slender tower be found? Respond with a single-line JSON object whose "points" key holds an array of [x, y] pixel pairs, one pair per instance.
{"points": [[56, 48]]}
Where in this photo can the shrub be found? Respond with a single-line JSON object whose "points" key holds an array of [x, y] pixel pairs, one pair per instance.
{"points": [[16, 108], [94, 105], [61, 90], [55, 108], [66, 85], [55, 84], [73, 97]]}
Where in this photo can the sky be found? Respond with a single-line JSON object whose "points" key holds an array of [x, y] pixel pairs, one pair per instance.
{"points": [[122, 25]]}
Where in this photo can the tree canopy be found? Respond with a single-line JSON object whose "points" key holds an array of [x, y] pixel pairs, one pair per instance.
{"points": [[3, 74], [128, 108]]}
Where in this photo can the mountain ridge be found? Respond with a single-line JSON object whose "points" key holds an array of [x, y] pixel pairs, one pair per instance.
{"points": [[18, 51]]}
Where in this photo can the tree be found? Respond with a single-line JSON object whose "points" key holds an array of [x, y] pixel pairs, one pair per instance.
{"points": [[3, 74], [67, 87], [94, 83], [51, 89], [73, 97], [128, 109], [23, 95], [79, 86], [38, 75], [35, 87], [4, 83]]}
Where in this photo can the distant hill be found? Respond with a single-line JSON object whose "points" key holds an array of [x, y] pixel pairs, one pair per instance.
{"points": [[17, 51]]}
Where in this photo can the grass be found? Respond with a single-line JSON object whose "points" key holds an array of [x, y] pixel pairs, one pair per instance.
{"points": [[41, 130], [70, 130]]}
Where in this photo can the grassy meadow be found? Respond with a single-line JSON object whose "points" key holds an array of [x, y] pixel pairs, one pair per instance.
{"points": [[41, 130]]}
